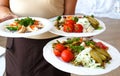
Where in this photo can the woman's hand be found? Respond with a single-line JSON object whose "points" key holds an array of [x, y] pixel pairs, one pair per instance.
{"points": [[5, 13], [7, 17]]}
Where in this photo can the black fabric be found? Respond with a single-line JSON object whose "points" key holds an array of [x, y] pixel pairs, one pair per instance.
{"points": [[24, 57]]}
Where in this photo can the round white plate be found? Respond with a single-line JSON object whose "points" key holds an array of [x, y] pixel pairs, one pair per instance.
{"points": [[2, 60], [2, 50], [62, 33], [67, 67], [2, 65], [47, 26]]}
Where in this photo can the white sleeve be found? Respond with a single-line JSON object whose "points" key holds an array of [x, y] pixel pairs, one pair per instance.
{"points": [[99, 8], [104, 6]]}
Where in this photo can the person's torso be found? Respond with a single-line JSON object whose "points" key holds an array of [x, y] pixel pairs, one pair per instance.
{"points": [[39, 8], [42, 8]]}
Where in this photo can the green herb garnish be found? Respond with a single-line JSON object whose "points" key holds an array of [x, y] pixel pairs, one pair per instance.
{"points": [[58, 18], [77, 48], [26, 21], [89, 42], [75, 19], [69, 40]]}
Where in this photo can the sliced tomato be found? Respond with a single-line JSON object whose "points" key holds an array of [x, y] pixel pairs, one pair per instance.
{"points": [[57, 52], [72, 22], [68, 28], [67, 55], [101, 45], [81, 40], [59, 47], [78, 28]]}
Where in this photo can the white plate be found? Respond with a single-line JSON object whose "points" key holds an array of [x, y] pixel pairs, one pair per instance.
{"points": [[2, 51], [62, 33], [67, 67], [2, 65], [47, 26], [2, 61]]}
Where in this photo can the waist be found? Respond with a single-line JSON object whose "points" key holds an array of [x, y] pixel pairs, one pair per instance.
{"points": [[46, 35]]}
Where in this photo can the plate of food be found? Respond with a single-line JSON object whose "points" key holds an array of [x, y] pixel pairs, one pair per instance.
{"points": [[82, 56], [77, 26], [24, 27]]}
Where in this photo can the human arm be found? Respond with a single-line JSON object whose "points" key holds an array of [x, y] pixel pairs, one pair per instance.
{"points": [[70, 6], [5, 12]]}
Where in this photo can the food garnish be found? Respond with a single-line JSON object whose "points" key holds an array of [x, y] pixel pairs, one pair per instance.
{"points": [[83, 52], [77, 24], [24, 25]]}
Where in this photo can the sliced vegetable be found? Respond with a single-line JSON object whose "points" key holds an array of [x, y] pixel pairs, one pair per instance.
{"points": [[67, 55], [15, 28], [82, 52]]}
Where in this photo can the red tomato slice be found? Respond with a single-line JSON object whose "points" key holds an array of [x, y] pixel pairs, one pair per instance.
{"points": [[59, 47], [78, 28], [68, 28], [57, 52], [67, 55], [72, 22], [101, 45]]}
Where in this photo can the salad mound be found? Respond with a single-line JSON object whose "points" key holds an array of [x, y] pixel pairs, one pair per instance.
{"points": [[24, 25], [83, 52], [77, 24]]}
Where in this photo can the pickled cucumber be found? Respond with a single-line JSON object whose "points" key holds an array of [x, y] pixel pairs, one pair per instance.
{"points": [[93, 22], [105, 53], [103, 57], [95, 56]]}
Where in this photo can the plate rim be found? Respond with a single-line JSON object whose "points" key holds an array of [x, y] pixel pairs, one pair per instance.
{"points": [[16, 35], [62, 33], [82, 72]]}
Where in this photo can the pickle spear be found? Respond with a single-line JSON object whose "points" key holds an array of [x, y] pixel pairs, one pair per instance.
{"points": [[93, 22], [103, 57], [95, 56], [104, 52]]}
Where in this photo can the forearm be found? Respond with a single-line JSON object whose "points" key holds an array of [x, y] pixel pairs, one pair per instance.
{"points": [[70, 6], [4, 8], [4, 11]]}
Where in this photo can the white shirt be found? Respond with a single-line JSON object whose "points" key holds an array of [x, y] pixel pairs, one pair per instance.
{"points": [[99, 8]]}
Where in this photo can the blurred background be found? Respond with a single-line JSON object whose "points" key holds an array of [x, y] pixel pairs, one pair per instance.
{"points": [[99, 8]]}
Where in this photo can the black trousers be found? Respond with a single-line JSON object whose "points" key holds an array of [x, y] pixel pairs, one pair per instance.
{"points": [[24, 57]]}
